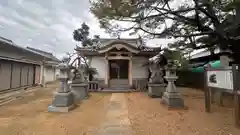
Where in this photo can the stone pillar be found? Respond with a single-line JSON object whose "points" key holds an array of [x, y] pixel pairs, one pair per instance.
{"points": [[172, 97], [63, 99]]}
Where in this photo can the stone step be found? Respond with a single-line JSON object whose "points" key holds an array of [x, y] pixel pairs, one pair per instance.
{"points": [[118, 130], [118, 91], [8, 97], [5, 100], [119, 85], [119, 88], [116, 121]]}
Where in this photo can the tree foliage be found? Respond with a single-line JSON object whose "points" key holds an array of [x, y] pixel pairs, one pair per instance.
{"points": [[82, 35], [177, 56], [195, 24], [80, 63]]}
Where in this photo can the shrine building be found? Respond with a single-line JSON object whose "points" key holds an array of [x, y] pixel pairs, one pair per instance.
{"points": [[119, 62]]}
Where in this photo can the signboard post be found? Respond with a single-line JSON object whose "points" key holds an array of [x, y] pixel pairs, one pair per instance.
{"points": [[236, 86], [224, 79], [207, 93]]}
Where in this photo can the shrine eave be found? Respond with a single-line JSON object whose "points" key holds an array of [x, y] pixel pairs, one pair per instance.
{"points": [[117, 45], [95, 52]]}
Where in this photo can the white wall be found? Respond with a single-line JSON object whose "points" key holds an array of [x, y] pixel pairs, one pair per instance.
{"points": [[100, 64], [139, 71], [57, 72], [49, 74]]}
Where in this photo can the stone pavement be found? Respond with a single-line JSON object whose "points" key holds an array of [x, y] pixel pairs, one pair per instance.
{"points": [[116, 121]]}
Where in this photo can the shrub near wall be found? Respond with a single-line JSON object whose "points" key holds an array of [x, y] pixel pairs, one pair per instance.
{"points": [[187, 78]]}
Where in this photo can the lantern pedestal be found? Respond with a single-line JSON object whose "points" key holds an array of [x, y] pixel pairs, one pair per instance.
{"points": [[172, 97], [79, 91], [62, 102], [156, 90]]}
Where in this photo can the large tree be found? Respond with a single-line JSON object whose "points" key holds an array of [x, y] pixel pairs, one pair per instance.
{"points": [[82, 35], [194, 23]]}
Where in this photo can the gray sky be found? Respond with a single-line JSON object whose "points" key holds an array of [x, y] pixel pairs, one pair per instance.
{"points": [[48, 24]]}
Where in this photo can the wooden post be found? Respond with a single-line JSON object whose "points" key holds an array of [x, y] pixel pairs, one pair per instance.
{"points": [[130, 71], [11, 76], [212, 96], [237, 109], [207, 93], [235, 72], [107, 71], [42, 74]]}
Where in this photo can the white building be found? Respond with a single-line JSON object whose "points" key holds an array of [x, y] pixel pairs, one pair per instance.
{"points": [[48, 67], [23, 67], [119, 62]]}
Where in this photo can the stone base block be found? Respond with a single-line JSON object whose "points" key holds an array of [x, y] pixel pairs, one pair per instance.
{"points": [[173, 100], [156, 90], [52, 108], [63, 99], [79, 91]]}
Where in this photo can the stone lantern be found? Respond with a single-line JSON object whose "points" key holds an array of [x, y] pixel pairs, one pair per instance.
{"points": [[172, 97], [63, 99]]}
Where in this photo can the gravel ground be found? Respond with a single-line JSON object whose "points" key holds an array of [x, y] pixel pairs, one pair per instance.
{"points": [[149, 117], [29, 115]]}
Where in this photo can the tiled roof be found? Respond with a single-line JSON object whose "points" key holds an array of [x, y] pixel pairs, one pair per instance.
{"points": [[11, 43], [134, 42], [45, 54], [2, 39], [37, 52]]}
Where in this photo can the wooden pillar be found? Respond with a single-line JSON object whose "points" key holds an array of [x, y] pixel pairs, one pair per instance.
{"points": [[130, 71], [107, 71], [42, 74], [236, 87], [207, 92]]}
